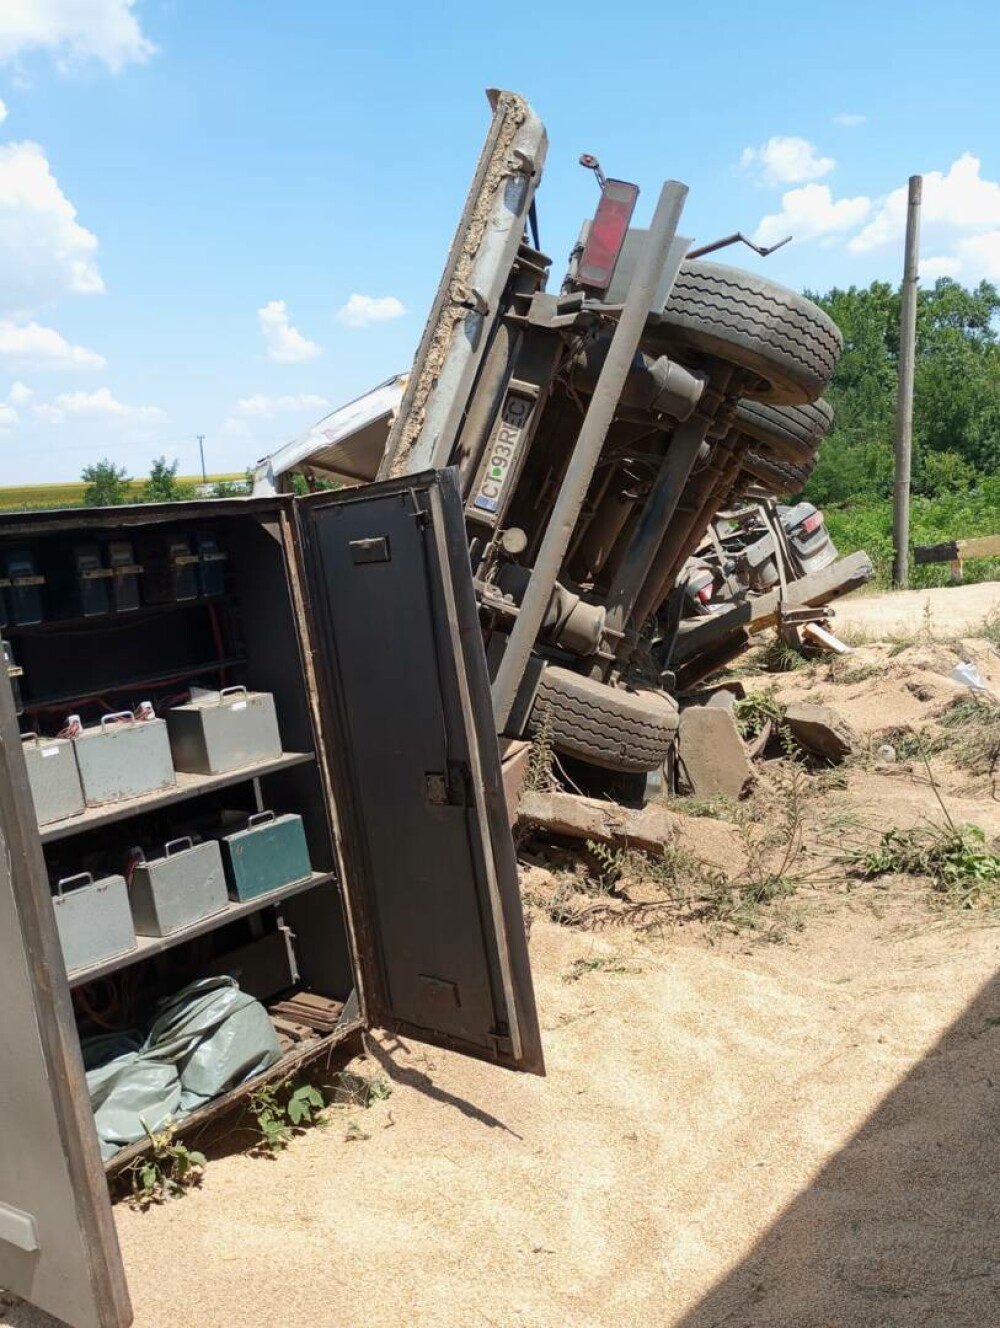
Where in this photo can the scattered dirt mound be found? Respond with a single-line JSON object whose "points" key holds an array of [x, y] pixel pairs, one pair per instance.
{"points": [[880, 687]]}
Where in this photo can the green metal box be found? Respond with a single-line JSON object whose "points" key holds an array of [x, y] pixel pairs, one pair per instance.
{"points": [[265, 853]]}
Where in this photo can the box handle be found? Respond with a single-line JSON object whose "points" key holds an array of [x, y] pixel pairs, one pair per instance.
{"points": [[258, 818], [30, 737], [237, 690], [171, 845], [119, 714], [69, 880]]}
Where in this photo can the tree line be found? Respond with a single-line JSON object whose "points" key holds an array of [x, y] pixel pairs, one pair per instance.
{"points": [[110, 485], [956, 423], [956, 399]]}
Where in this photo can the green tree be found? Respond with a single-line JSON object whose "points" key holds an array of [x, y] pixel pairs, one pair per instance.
{"points": [[163, 485], [107, 484], [956, 419]]}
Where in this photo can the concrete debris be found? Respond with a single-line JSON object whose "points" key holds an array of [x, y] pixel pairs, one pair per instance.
{"points": [[651, 828], [820, 731], [722, 700], [713, 759]]}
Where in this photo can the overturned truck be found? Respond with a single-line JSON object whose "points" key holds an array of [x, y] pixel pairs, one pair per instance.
{"points": [[596, 429]]}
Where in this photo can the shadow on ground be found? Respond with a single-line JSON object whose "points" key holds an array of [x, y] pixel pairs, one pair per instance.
{"points": [[902, 1226]]}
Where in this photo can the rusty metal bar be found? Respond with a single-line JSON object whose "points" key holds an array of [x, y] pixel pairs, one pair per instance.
{"points": [[593, 432]]}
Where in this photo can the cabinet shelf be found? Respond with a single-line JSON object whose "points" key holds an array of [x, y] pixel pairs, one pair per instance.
{"points": [[33, 704], [187, 786], [153, 945], [112, 620]]}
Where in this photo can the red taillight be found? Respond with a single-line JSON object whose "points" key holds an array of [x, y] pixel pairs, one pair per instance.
{"points": [[811, 523], [705, 593], [607, 234]]}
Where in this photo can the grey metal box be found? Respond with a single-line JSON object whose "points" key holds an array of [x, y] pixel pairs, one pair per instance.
{"points": [[93, 919], [54, 778], [223, 731], [124, 758], [187, 884]]}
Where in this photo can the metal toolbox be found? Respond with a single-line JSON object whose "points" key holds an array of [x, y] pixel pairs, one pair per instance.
{"points": [[91, 581], [187, 884], [93, 919], [125, 572], [170, 567], [123, 758], [223, 731], [211, 566], [23, 582], [264, 853], [54, 778]]}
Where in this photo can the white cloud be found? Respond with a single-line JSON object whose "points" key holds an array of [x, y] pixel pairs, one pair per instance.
{"points": [[261, 405], [32, 346], [361, 310], [20, 394], [786, 161], [849, 120], [285, 343], [73, 30], [812, 213], [3, 110], [8, 415], [975, 258], [97, 405], [960, 200], [44, 251], [932, 268]]}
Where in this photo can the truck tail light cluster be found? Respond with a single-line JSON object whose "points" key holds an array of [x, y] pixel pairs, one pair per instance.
{"points": [[607, 234]]}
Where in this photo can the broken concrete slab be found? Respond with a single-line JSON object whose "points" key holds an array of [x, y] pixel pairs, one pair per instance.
{"points": [[820, 731], [722, 700], [711, 752], [652, 828]]}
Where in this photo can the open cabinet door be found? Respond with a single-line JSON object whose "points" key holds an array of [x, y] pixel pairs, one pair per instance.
{"points": [[408, 729], [58, 1246]]}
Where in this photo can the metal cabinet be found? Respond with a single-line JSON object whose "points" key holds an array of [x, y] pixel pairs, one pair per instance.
{"points": [[362, 601]]}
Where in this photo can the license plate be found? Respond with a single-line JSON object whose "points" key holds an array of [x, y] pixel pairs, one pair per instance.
{"points": [[503, 451]]}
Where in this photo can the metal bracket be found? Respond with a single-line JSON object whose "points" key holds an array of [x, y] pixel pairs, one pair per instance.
{"points": [[470, 298], [420, 514], [592, 164], [521, 162], [738, 238], [794, 615]]}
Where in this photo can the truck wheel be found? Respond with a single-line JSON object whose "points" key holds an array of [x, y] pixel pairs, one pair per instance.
{"points": [[786, 433], [611, 727], [778, 477], [783, 339]]}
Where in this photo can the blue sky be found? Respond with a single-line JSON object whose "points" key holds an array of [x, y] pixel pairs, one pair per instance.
{"points": [[192, 191]]}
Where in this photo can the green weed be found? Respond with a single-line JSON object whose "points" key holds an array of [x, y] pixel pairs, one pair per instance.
{"points": [[538, 776], [598, 964], [954, 857], [753, 711], [281, 1112], [166, 1171], [778, 657]]}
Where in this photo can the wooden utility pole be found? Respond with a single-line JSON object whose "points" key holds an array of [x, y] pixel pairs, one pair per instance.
{"points": [[904, 408]]}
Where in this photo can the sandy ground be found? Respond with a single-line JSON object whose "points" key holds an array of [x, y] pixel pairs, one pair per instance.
{"points": [[947, 611], [731, 1133]]}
